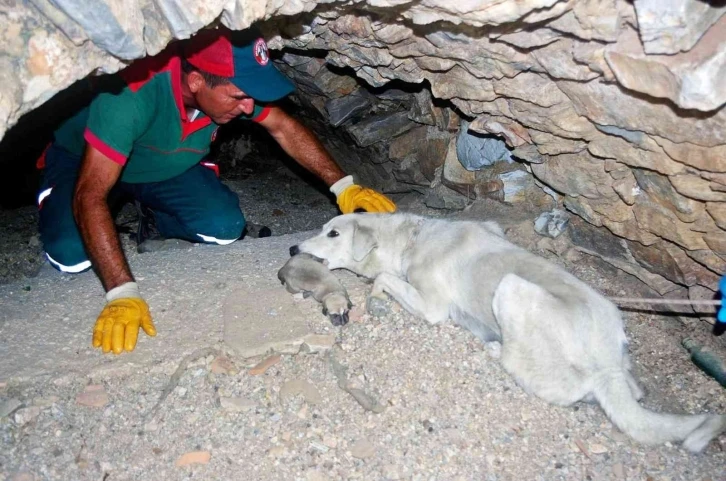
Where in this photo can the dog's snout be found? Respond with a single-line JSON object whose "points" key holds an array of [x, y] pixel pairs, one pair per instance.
{"points": [[294, 250]]}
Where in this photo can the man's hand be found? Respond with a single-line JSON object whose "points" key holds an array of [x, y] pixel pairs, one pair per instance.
{"points": [[352, 197], [117, 328]]}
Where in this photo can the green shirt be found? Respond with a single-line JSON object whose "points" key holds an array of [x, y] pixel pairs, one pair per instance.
{"points": [[143, 125]]}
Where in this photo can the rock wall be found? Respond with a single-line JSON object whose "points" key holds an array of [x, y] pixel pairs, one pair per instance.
{"points": [[609, 108]]}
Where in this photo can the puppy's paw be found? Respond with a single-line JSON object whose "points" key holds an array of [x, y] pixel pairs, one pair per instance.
{"points": [[336, 307], [378, 306]]}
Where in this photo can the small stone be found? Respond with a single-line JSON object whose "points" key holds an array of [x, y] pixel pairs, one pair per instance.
{"points": [[94, 395], [264, 365], [151, 426], [303, 412], [330, 441], [552, 223], [356, 314], [618, 470], [23, 476], [300, 386], [9, 406], [318, 446], [378, 307], [363, 449], [652, 459], [580, 445], [26, 415], [222, 365], [515, 186], [546, 244], [44, 402], [390, 472], [236, 404], [598, 449], [286, 436], [617, 436], [573, 256], [315, 475], [367, 402], [194, 457], [318, 342], [3, 384], [277, 451]]}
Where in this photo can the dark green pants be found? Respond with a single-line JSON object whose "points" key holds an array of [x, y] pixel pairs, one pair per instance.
{"points": [[194, 206]]}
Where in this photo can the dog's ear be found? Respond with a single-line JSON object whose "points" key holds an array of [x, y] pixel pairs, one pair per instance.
{"points": [[364, 241]]}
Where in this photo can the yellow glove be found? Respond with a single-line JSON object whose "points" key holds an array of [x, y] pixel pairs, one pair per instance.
{"points": [[117, 328], [352, 197]]}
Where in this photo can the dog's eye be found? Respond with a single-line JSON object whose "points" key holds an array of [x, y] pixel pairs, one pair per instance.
{"points": [[333, 233]]}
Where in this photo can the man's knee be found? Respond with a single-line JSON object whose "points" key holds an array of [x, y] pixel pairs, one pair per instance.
{"points": [[67, 255], [223, 227]]}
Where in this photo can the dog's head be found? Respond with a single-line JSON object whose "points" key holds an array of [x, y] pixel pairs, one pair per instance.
{"points": [[344, 243]]}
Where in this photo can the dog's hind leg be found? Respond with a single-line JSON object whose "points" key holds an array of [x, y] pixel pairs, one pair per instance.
{"points": [[532, 322], [429, 307]]}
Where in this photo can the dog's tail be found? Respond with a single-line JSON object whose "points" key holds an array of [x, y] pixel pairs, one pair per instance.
{"points": [[616, 398]]}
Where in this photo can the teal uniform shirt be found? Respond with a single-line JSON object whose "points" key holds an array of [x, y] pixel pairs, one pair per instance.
{"points": [[143, 124]]}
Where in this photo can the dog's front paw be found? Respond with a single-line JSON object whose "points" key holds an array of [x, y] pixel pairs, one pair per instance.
{"points": [[377, 290], [336, 307], [378, 306]]}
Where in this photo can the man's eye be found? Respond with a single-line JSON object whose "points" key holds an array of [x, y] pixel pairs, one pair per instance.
{"points": [[333, 233]]}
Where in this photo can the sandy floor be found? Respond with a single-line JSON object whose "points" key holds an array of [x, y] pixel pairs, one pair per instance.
{"points": [[443, 408]]}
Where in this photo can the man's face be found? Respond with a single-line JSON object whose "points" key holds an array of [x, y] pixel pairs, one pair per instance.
{"points": [[223, 102]]}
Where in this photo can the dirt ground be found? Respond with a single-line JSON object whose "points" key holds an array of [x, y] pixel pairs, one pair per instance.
{"points": [[184, 405]]}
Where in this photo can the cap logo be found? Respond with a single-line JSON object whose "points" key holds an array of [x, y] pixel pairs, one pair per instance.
{"points": [[260, 52]]}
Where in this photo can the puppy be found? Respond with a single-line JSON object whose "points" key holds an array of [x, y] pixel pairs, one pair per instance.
{"points": [[307, 274]]}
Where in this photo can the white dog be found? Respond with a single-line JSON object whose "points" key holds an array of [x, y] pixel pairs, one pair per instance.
{"points": [[561, 340]]}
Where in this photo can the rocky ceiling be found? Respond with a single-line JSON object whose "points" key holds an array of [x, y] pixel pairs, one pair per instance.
{"points": [[612, 107]]}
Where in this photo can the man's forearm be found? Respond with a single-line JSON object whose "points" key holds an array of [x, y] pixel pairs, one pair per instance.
{"points": [[101, 240], [303, 146]]}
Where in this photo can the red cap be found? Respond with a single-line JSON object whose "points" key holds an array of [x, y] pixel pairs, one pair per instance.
{"points": [[242, 57], [211, 51]]}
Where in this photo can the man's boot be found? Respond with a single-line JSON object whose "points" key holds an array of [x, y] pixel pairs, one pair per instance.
{"points": [[256, 231], [148, 238]]}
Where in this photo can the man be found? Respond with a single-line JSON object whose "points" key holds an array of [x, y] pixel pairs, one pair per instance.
{"points": [[146, 138]]}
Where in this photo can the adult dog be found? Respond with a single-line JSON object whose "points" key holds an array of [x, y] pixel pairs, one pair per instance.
{"points": [[561, 340]]}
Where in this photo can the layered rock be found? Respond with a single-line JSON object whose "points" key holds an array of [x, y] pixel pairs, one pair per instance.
{"points": [[612, 109]]}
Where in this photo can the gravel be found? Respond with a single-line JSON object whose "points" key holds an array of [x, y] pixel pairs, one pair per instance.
{"points": [[439, 405], [451, 413]]}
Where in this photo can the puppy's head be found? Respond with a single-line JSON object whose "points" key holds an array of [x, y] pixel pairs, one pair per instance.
{"points": [[344, 243]]}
